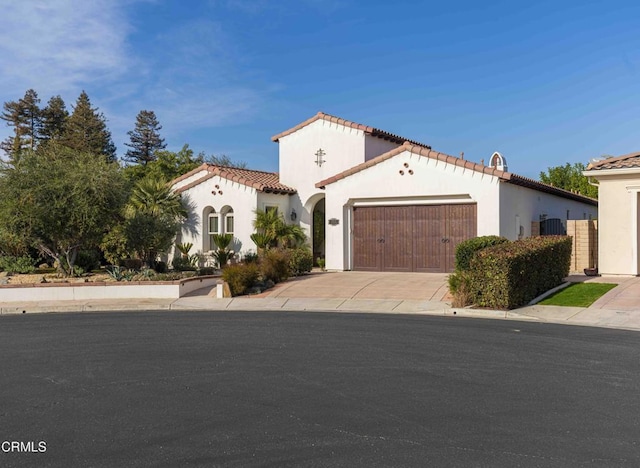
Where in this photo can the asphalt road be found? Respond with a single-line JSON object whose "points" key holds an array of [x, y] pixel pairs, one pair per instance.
{"points": [[311, 389]]}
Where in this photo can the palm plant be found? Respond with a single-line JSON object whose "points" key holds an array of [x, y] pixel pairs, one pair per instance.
{"points": [[153, 215], [262, 241], [184, 248], [268, 222], [223, 254], [155, 197], [274, 231], [222, 241], [291, 235]]}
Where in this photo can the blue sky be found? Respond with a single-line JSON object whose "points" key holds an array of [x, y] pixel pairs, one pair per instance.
{"points": [[542, 82]]}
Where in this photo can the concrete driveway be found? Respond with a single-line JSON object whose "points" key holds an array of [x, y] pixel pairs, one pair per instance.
{"points": [[625, 296], [366, 285]]}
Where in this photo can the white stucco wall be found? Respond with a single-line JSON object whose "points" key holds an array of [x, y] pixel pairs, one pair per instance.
{"points": [[617, 225], [374, 146], [343, 147], [519, 206], [432, 182]]}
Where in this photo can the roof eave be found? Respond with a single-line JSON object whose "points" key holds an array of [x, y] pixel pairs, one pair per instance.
{"points": [[608, 172]]}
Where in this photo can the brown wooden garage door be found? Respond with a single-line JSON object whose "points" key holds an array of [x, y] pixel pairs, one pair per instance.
{"points": [[410, 238]]}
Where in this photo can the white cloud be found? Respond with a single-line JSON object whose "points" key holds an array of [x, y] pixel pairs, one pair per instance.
{"points": [[56, 46], [189, 74]]}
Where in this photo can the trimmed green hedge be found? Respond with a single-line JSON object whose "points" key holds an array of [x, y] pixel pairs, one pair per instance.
{"points": [[510, 275], [466, 249]]}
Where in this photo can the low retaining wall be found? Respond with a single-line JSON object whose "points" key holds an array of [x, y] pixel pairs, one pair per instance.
{"points": [[104, 290]]}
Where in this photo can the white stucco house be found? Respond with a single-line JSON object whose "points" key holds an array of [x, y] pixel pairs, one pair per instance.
{"points": [[618, 182], [389, 203]]}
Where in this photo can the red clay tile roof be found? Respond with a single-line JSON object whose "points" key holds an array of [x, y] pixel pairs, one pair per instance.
{"points": [[627, 161], [268, 182], [429, 153], [376, 132]]}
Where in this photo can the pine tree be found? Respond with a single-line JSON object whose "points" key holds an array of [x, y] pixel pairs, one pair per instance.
{"points": [[145, 139], [54, 119], [86, 130], [25, 116]]}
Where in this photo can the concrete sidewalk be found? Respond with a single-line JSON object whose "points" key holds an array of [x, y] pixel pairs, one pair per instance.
{"points": [[371, 293]]}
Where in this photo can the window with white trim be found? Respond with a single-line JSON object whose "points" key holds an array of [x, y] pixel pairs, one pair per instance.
{"points": [[226, 220], [214, 228], [269, 208]]}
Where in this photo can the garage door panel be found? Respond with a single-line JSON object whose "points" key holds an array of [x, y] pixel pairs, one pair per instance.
{"points": [[398, 238], [428, 239], [368, 225]]}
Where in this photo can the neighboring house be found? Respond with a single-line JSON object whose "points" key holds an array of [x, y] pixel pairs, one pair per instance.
{"points": [[388, 203], [618, 230]]}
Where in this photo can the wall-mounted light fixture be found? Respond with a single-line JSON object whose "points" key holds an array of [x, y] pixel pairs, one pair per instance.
{"points": [[293, 215]]}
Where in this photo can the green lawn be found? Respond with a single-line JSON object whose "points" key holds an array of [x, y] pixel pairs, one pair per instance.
{"points": [[578, 294]]}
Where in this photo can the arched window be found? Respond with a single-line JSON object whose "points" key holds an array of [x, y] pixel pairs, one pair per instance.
{"points": [[227, 214], [213, 227]]}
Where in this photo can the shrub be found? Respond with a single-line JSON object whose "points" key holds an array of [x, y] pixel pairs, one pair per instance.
{"points": [[250, 257], [22, 264], [466, 249], [275, 265], [171, 276], [131, 263], [160, 267], [459, 289], [183, 264], [206, 271], [510, 275], [300, 261], [88, 260], [241, 277]]}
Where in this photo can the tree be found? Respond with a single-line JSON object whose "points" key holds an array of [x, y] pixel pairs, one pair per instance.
{"points": [[151, 219], [569, 177], [145, 139], [86, 130], [223, 160], [61, 200], [167, 165], [25, 117], [54, 119], [156, 198]]}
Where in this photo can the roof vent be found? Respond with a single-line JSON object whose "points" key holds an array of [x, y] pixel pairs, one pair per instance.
{"points": [[498, 161]]}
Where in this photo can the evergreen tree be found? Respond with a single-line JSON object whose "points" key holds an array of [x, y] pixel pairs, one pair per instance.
{"points": [[145, 139], [25, 116], [54, 118], [86, 130]]}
